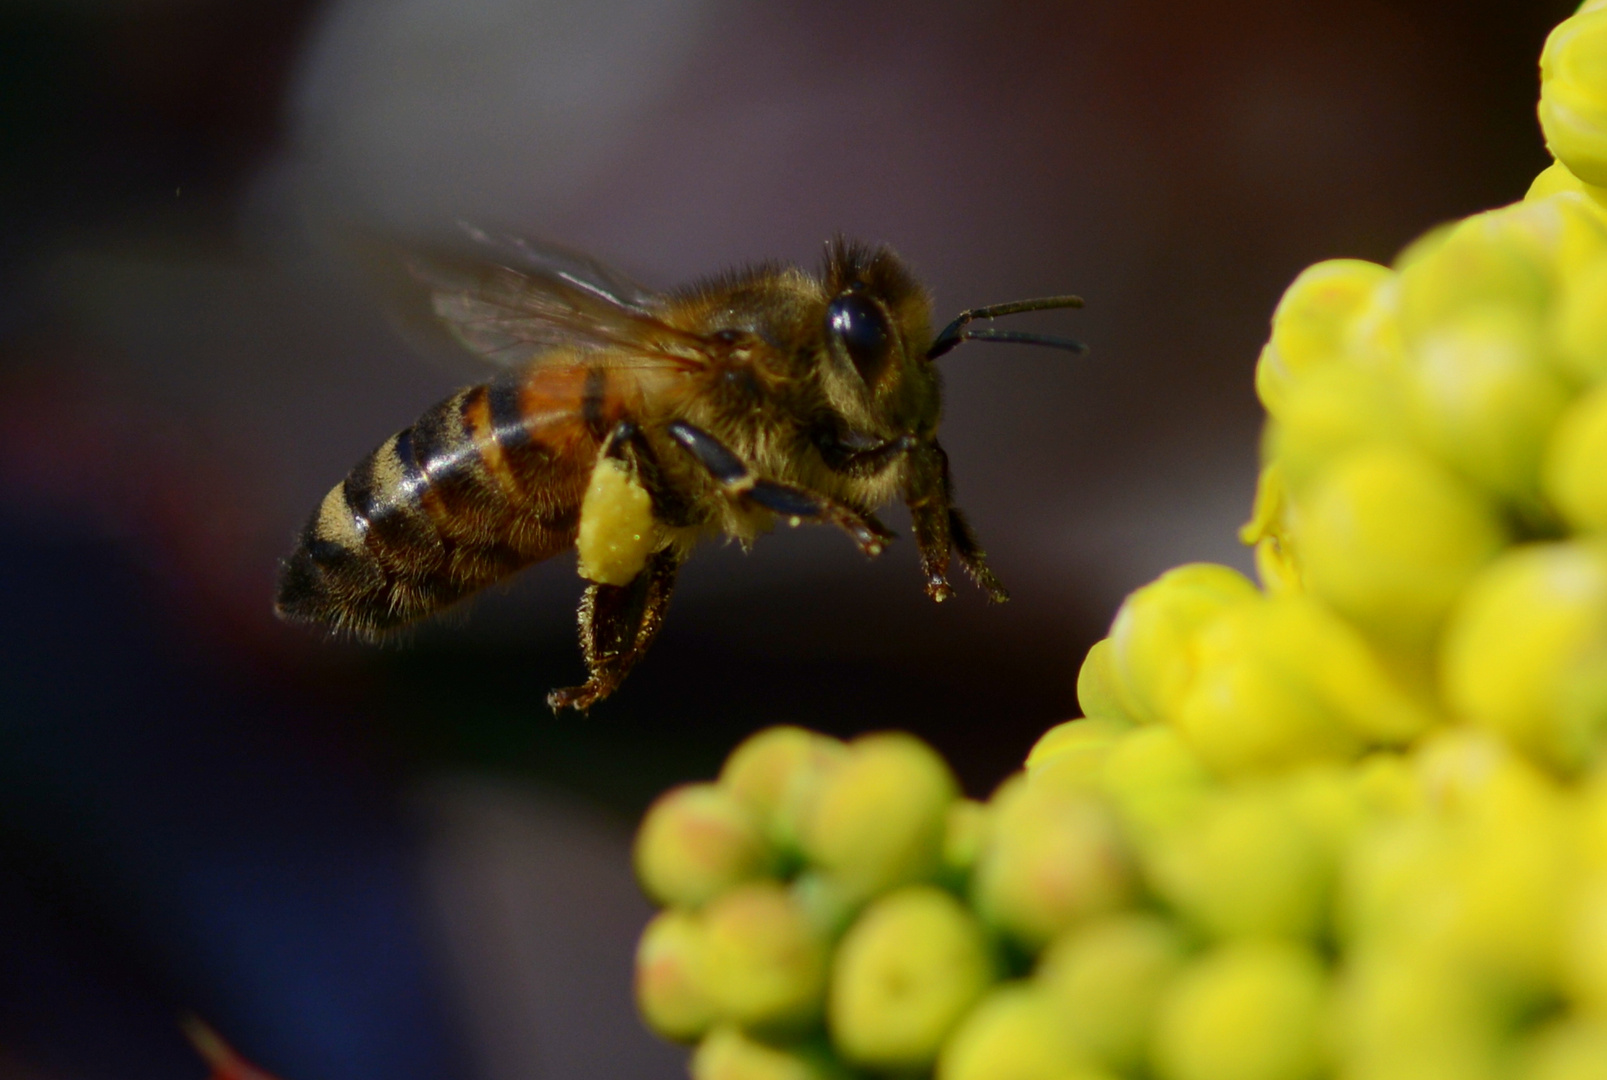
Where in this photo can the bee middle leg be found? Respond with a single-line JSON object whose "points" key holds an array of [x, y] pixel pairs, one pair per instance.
{"points": [[617, 624], [785, 500]]}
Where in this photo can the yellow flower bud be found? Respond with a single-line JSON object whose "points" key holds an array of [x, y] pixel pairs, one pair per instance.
{"points": [[1584, 949], [697, 841], [1246, 711], [1400, 1018], [1573, 95], [1333, 411], [879, 818], [1575, 468], [1479, 263], [1107, 979], [1016, 1033], [1072, 754], [1267, 529], [1477, 882], [1578, 323], [729, 1054], [1097, 691], [767, 765], [905, 973], [1311, 322], [1250, 1010], [1155, 780], [1284, 681], [1389, 538], [1553, 180], [1483, 399], [764, 959], [1150, 653], [1054, 859], [1525, 652], [669, 988], [1574, 1048], [1384, 785], [1245, 865]]}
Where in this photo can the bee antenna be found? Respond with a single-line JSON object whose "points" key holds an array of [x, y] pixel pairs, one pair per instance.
{"points": [[956, 332]]}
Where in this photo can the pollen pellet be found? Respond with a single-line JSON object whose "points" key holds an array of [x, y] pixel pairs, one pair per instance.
{"points": [[617, 529]]}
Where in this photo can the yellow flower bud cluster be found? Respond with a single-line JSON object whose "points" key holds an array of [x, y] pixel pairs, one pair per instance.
{"points": [[811, 921], [1350, 822]]}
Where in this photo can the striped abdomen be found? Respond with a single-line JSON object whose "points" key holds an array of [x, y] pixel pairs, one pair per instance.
{"points": [[488, 481]]}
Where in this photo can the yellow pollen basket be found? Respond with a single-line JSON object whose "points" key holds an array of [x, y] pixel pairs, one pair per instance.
{"points": [[617, 528]]}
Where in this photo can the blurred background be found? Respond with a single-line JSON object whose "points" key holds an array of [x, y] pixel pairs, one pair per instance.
{"points": [[394, 862]]}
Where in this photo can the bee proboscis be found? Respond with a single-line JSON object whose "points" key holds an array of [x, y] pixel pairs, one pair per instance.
{"points": [[634, 424]]}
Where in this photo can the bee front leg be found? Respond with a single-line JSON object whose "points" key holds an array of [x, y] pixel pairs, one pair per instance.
{"points": [[795, 504], [941, 530], [617, 624]]}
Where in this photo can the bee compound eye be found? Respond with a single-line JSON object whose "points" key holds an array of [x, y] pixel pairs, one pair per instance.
{"points": [[862, 329]]}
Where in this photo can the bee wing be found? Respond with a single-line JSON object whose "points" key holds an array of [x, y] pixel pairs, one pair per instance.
{"points": [[510, 301]]}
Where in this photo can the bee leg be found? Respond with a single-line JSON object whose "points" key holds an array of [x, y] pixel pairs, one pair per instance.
{"points": [[941, 530], [795, 504], [973, 558], [617, 624]]}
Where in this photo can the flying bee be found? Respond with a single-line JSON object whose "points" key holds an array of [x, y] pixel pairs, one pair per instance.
{"points": [[631, 424]]}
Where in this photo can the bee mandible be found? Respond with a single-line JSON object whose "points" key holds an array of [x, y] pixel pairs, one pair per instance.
{"points": [[631, 424]]}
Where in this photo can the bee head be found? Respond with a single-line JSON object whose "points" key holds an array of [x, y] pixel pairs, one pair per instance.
{"points": [[877, 327]]}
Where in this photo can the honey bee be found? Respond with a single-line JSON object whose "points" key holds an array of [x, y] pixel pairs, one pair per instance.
{"points": [[631, 424]]}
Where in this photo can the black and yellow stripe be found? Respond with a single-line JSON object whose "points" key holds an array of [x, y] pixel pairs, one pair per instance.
{"points": [[488, 481]]}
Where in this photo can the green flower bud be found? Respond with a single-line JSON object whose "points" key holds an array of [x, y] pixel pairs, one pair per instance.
{"points": [[764, 959], [1573, 95], [1055, 858], [905, 973], [1578, 324], [729, 1054], [1016, 1033], [669, 988], [1245, 865], [1575, 469], [697, 841], [879, 819], [1250, 1010], [1149, 638], [965, 832], [778, 772], [1525, 653], [1107, 979], [1389, 539], [1484, 399]]}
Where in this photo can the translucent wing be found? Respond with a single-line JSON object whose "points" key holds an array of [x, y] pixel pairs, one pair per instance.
{"points": [[511, 301]]}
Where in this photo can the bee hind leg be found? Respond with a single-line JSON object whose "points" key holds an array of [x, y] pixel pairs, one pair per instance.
{"points": [[617, 624], [791, 503], [941, 531]]}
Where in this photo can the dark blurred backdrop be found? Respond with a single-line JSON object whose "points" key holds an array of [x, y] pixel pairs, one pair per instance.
{"points": [[395, 863]]}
